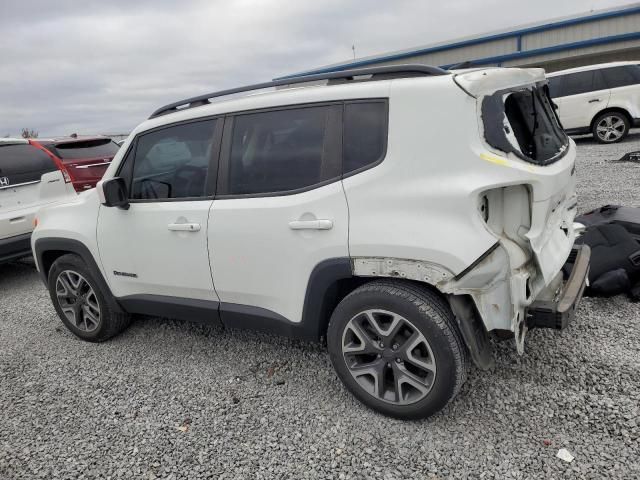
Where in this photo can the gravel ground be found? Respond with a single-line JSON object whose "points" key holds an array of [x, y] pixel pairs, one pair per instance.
{"points": [[177, 400]]}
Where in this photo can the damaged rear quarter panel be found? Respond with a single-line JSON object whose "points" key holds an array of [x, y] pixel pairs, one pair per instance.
{"points": [[415, 215]]}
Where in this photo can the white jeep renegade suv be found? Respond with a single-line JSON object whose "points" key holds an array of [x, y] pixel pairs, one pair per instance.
{"points": [[404, 214]]}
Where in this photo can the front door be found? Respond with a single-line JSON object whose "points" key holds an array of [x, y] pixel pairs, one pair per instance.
{"points": [[279, 211], [158, 247]]}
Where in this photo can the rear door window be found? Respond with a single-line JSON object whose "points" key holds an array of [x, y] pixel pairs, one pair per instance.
{"points": [[98, 148], [281, 151], [23, 163], [616, 77], [577, 83]]}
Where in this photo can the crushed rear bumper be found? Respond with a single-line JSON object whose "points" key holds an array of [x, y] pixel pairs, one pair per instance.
{"points": [[558, 311]]}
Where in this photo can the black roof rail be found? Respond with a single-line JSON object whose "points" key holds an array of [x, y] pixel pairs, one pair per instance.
{"points": [[377, 73]]}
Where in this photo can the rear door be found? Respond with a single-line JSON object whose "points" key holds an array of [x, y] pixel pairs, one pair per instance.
{"points": [[624, 82], [279, 211], [86, 160], [28, 178], [579, 96], [157, 249]]}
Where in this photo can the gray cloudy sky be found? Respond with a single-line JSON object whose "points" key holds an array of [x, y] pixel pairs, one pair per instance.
{"points": [[103, 66]]}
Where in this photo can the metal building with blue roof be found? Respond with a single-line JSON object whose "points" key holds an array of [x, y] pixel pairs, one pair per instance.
{"points": [[594, 37]]}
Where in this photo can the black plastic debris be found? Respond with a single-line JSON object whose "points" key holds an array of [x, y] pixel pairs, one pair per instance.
{"points": [[613, 234], [631, 157]]}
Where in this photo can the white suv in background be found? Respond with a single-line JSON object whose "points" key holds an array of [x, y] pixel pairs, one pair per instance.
{"points": [[600, 99], [404, 214], [29, 179]]}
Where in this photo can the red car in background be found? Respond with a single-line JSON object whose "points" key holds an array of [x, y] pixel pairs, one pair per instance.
{"points": [[83, 160]]}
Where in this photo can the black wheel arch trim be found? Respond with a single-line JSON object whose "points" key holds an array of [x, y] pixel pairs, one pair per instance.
{"points": [[65, 246]]}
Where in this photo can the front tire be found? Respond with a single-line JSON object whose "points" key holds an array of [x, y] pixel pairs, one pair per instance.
{"points": [[81, 303], [397, 349], [610, 127]]}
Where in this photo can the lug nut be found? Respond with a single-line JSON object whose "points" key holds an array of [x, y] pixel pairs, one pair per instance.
{"points": [[395, 346], [398, 360], [381, 345]]}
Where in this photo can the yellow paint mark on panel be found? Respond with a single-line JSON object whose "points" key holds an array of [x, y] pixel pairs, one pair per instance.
{"points": [[494, 159]]}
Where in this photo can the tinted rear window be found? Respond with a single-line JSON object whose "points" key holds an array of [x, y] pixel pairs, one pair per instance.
{"points": [[103, 147], [576, 83], [279, 151], [365, 134], [622, 76], [23, 163]]}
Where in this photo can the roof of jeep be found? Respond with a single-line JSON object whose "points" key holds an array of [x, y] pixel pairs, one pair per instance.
{"points": [[294, 95], [596, 66]]}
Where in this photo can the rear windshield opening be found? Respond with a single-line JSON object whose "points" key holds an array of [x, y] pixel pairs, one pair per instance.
{"points": [[523, 122], [101, 147], [534, 124]]}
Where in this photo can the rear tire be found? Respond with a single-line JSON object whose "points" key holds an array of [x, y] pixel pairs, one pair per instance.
{"points": [[610, 127], [81, 303], [397, 349]]}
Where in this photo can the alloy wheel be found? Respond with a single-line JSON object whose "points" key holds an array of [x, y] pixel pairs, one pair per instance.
{"points": [[610, 128], [389, 357], [78, 301]]}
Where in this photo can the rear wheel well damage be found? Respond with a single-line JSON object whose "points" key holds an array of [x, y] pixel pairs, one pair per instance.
{"points": [[436, 278]]}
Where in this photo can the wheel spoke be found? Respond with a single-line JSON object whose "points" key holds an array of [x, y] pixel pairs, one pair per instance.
{"points": [[366, 343], [407, 353], [405, 377], [65, 283], [373, 381], [70, 313], [90, 316], [374, 322], [75, 281]]}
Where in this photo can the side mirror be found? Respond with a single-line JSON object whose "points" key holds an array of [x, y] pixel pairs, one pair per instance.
{"points": [[113, 193]]}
